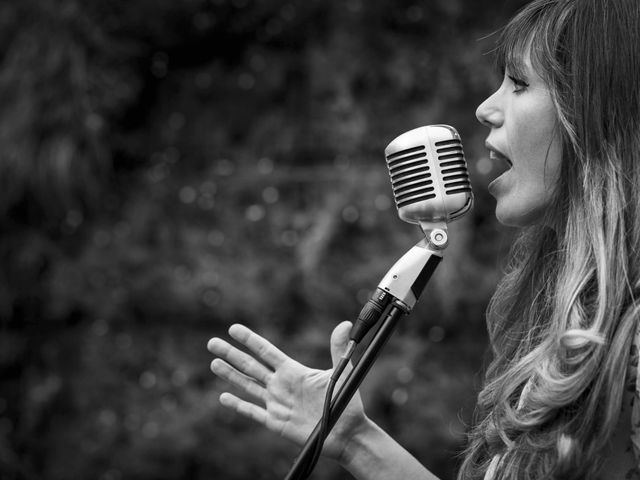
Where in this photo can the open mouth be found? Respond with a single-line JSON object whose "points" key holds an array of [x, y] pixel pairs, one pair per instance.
{"points": [[499, 160]]}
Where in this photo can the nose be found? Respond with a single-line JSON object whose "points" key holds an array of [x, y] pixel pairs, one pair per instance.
{"points": [[489, 113]]}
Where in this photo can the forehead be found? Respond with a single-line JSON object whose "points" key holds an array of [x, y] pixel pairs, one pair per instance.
{"points": [[533, 39], [515, 54]]}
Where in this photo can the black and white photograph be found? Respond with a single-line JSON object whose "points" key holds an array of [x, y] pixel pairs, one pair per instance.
{"points": [[324, 240]]}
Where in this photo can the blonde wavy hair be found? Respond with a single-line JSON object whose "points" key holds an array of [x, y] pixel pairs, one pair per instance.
{"points": [[562, 320]]}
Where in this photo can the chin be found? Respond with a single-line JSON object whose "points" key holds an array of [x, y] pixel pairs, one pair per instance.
{"points": [[520, 218]]}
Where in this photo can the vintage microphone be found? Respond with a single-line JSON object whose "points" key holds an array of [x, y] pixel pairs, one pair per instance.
{"points": [[431, 187]]}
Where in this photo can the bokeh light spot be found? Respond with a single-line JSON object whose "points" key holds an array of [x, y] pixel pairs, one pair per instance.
{"points": [[436, 334], [150, 430], [400, 396], [147, 380], [74, 218], [107, 418], [289, 238], [255, 213], [270, 195], [100, 327], [405, 375], [265, 166], [210, 297], [187, 194], [179, 378], [350, 214]]}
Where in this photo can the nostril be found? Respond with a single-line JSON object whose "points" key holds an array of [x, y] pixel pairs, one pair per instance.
{"points": [[489, 113], [489, 118], [482, 115], [484, 120]]}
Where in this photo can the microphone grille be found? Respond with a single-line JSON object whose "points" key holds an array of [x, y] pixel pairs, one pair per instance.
{"points": [[453, 166], [411, 178], [429, 174]]}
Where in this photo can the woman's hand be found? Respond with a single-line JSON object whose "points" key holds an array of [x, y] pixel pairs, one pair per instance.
{"points": [[286, 396]]}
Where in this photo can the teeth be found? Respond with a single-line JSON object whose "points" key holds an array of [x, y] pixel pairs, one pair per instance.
{"points": [[497, 156]]}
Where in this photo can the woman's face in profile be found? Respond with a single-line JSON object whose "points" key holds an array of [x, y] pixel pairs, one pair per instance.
{"points": [[524, 137]]}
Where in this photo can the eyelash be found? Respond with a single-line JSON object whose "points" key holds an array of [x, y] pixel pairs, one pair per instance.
{"points": [[520, 85]]}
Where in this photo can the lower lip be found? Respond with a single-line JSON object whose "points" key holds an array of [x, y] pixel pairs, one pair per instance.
{"points": [[494, 186]]}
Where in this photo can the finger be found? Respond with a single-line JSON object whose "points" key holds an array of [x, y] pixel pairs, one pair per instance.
{"points": [[244, 408], [230, 374], [339, 340], [264, 349], [243, 362]]}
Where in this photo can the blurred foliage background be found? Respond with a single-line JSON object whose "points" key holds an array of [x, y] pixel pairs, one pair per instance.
{"points": [[170, 167]]}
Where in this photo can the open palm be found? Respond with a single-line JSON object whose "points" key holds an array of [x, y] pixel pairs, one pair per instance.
{"points": [[285, 396]]}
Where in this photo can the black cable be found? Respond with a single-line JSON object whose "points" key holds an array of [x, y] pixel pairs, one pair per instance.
{"points": [[326, 411], [370, 314], [349, 386]]}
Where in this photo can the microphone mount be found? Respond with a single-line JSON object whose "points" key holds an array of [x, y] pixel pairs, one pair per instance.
{"points": [[407, 278], [436, 234], [395, 296]]}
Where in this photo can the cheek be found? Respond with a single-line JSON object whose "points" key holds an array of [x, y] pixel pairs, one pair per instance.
{"points": [[534, 125], [534, 179], [538, 145], [539, 180], [533, 137], [541, 173]]}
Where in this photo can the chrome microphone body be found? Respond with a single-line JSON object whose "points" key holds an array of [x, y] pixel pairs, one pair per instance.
{"points": [[431, 187], [429, 175]]}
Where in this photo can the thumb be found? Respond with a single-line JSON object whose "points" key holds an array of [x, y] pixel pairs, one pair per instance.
{"points": [[339, 340]]}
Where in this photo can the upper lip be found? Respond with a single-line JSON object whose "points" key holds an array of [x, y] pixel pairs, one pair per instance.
{"points": [[497, 152]]}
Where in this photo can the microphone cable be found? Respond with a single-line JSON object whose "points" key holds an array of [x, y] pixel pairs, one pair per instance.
{"points": [[370, 314], [326, 409]]}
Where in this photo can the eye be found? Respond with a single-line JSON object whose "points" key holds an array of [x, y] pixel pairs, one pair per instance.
{"points": [[519, 84]]}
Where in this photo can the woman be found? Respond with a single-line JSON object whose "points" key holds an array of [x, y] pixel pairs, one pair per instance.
{"points": [[563, 321]]}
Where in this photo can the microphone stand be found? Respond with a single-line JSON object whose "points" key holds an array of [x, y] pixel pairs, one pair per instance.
{"points": [[348, 389], [405, 282]]}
